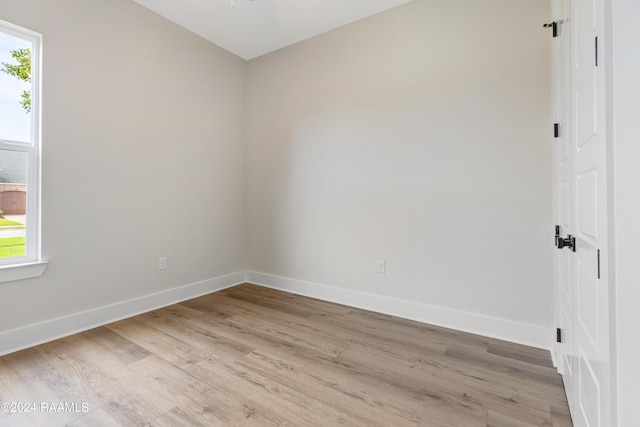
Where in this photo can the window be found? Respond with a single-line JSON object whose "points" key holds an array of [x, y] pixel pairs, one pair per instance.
{"points": [[19, 153]]}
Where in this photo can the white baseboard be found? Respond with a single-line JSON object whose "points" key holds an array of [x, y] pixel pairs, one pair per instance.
{"points": [[28, 336], [504, 329], [31, 335]]}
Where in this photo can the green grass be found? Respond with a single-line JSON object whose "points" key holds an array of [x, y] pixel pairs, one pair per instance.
{"points": [[12, 246], [7, 222]]}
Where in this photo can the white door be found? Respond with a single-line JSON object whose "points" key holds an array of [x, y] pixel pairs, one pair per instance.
{"points": [[580, 160], [563, 184], [592, 406]]}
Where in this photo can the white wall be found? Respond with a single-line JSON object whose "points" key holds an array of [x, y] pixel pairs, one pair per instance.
{"points": [[419, 136], [626, 146], [142, 157]]}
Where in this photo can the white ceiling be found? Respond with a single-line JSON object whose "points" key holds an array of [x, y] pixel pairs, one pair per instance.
{"points": [[250, 28]]}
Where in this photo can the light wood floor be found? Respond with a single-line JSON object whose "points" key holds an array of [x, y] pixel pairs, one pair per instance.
{"points": [[254, 356]]}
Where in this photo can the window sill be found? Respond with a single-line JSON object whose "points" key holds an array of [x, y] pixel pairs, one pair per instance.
{"points": [[29, 270]]}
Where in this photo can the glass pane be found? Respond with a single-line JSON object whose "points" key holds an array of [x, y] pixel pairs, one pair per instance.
{"points": [[13, 203], [15, 88]]}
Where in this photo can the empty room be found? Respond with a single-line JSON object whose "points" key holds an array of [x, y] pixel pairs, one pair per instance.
{"points": [[319, 212]]}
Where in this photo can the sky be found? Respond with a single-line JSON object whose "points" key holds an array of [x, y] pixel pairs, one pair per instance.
{"points": [[15, 123]]}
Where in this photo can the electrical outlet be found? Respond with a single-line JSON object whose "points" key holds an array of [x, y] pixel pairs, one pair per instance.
{"points": [[382, 267], [162, 263]]}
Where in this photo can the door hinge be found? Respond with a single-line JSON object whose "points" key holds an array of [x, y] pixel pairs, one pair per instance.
{"points": [[598, 263], [556, 130], [553, 25], [567, 242], [596, 51], [557, 236], [558, 335]]}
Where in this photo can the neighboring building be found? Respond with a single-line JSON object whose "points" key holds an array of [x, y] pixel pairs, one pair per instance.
{"points": [[13, 178]]}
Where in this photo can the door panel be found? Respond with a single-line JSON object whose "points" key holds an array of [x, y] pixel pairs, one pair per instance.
{"points": [[584, 24], [562, 152], [589, 391], [580, 191], [587, 204], [586, 111], [565, 191], [587, 299], [566, 317], [591, 405]]}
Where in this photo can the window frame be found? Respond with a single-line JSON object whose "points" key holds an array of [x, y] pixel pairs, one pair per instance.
{"points": [[31, 264]]}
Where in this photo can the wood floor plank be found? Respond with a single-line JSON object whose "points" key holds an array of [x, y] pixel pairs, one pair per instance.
{"points": [[177, 418], [317, 306], [497, 419], [273, 304], [426, 332], [463, 393], [560, 415], [517, 368], [356, 397], [365, 333], [317, 323], [34, 380], [5, 393], [99, 418], [253, 356], [166, 346], [535, 394], [103, 382], [123, 350], [201, 338], [240, 333], [16, 420], [298, 404], [8, 418], [185, 388], [209, 304], [253, 400], [522, 353], [445, 416], [315, 340]]}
